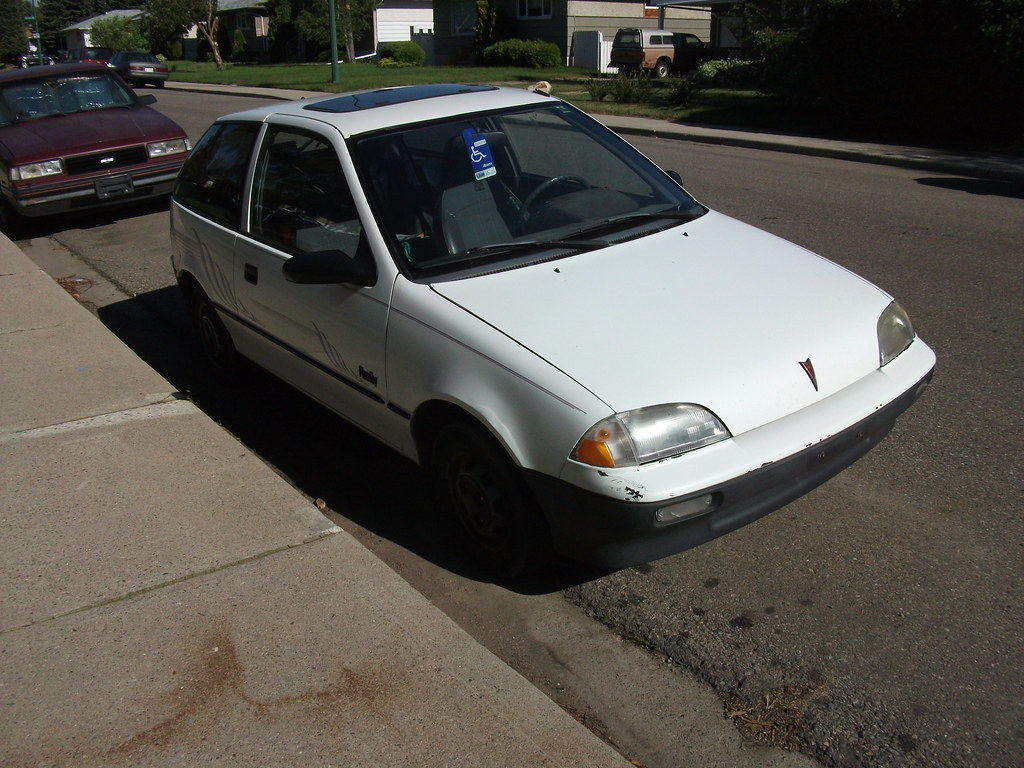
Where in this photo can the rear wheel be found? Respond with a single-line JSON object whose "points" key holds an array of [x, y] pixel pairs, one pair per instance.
{"points": [[494, 512], [662, 68], [214, 339]]}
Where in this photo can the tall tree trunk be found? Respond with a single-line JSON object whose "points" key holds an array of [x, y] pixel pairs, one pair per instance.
{"points": [[209, 29]]}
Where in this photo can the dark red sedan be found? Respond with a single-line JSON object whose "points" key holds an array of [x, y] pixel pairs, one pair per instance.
{"points": [[75, 136]]}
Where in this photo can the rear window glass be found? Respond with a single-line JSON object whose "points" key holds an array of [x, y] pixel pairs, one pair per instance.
{"points": [[213, 178]]}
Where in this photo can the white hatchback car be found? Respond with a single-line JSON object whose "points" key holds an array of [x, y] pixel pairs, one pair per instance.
{"points": [[499, 287]]}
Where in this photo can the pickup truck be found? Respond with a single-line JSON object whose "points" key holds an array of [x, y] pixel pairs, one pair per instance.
{"points": [[660, 52]]}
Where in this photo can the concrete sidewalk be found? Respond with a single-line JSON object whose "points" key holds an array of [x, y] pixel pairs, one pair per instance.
{"points": [[167, 599]]}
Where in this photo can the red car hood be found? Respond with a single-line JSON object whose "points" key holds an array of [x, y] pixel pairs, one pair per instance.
{"points": [[84, 132]]}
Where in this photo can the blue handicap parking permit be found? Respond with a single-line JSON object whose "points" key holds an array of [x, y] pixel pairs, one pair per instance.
{"points": [[479, 154]]}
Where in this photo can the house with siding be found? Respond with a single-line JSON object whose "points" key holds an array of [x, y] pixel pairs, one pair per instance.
{"points": [[247, 17], [396, 20], [392, 20], [559, 22], [77, 35]]}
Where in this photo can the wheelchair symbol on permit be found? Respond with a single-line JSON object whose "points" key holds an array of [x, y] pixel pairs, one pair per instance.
{"points": [[479, 152]]}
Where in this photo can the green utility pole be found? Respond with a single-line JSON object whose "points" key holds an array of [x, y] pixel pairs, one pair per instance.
{"points": [[333, 23]]}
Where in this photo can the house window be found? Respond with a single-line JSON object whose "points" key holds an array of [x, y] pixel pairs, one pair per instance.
{"points": [[463, 17], [242, 21], [534, 9]]}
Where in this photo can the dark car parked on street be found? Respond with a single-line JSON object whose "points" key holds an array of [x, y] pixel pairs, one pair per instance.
{"points": [[75, 136], [26, 60], [137, 68]]}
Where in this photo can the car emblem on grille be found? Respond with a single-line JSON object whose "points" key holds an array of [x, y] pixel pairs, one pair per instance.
{"points": [[105, 160], [808, 367]]}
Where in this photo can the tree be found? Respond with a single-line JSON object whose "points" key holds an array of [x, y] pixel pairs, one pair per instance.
{"points": [[489, 27], [164, 22], [55, 15], [12, 28], [119, 33], [209, 27], [353, 18], [931, 70]]}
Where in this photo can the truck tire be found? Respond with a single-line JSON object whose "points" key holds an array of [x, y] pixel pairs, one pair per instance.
{"points": [[662, 68]]}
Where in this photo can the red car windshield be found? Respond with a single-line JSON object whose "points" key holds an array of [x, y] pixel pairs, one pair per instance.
{"points": [[33, 99]]}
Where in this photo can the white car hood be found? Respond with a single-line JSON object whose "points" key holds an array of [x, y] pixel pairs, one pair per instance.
{"points": [[714, 312]]}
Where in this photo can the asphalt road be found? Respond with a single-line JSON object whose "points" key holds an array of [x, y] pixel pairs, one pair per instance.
{"points": [[875, 622]]}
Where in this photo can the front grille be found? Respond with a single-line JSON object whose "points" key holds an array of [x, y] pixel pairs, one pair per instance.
{"points": [[105, 161]]}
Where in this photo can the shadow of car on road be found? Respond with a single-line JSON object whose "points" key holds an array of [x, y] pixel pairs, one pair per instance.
{"points": [[988, 187], [25, 228], [320, 454]]}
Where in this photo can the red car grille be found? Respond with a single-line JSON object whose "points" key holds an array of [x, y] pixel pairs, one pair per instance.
{"points": [[104, 161]]}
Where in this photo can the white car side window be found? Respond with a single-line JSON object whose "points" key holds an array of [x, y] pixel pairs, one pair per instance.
{"points": [[301, 201]]}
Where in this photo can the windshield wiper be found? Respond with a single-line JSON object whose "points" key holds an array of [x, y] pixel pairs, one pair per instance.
{"points": [[472, 256], [625, 218], [525, 245]]}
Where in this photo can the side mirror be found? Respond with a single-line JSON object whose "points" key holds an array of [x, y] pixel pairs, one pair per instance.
{"points": [[147, 99], [674, 175], [328, 267]]}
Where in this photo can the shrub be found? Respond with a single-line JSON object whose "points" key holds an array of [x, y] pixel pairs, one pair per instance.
{"points": [[523, 53], [599, 88], [728, 73], [238, 45], [401, 53], [634, 88], [681, 90]]}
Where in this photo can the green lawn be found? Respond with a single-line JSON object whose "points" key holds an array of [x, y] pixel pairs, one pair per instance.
{"points": [[711, 106]]}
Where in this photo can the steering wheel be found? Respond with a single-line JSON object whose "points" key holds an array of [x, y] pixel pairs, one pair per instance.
{"points": [[542, 189]]}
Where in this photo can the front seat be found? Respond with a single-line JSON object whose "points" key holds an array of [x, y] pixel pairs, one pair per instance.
{"points": [[473, 212]]}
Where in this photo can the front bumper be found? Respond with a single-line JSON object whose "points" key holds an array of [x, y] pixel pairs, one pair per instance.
{"points": [[71, 194], [615, 533]]}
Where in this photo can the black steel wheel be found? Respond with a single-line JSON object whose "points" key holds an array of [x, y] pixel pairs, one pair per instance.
{"points": [[214, 340], [494, 512]]}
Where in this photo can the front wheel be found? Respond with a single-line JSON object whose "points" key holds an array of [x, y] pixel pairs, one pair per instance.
{"points": [[497, 518], [11, 222]]}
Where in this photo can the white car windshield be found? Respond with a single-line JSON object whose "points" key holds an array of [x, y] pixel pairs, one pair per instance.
{"points": [[33, 99], [512, 187]]}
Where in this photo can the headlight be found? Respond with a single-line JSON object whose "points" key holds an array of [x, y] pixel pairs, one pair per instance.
{"points": [[649, 434], [36, 170], [172, 147], [895, 333]]}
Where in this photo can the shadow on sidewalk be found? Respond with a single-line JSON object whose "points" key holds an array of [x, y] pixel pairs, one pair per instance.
{"points": [[324, 457]]}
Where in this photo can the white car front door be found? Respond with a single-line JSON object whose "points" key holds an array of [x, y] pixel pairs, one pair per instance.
{"points": [[325, 339]]}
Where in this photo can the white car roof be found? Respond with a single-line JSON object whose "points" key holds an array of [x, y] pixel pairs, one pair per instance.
{"points": [[363, 111]]}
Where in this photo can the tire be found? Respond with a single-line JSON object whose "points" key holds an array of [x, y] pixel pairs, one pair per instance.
{"points": [[11, 222], [489, 503], [661, 69], [214, 340]]}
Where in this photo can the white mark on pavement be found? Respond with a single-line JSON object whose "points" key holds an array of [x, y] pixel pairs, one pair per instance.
{"points": [[154, 411]]}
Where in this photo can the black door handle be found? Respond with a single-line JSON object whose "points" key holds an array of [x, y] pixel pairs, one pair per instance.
{"points": [[251, 274]]}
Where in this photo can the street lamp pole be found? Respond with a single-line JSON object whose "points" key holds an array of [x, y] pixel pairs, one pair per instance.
{"points": [[36, 39]]}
